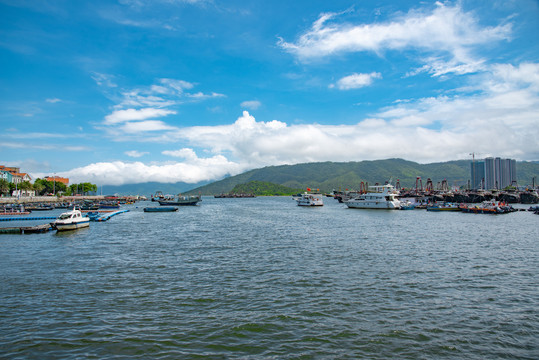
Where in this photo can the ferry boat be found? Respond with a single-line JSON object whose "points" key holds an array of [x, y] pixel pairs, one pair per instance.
{"points": [[71, 220], [380, 197], [308, 199]]}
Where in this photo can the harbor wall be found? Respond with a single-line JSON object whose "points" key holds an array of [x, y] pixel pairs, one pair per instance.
{"points": [[45, 199]]}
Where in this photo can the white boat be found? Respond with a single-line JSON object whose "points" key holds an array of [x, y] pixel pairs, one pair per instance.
{"points": [[71, 220], [380, 197], [308, 199]]}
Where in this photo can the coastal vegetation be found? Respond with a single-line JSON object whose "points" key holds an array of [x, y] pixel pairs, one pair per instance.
{"points": [[263, 188], [44, 187]]}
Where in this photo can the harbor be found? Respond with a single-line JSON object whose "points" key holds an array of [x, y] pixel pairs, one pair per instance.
{"points": [[265, 271]]}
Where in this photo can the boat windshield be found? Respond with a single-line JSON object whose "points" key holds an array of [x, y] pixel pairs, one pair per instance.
{"points": [[64, 216]]}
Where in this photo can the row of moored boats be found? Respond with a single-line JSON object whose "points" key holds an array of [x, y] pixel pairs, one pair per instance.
{"points": [[387, 197]]}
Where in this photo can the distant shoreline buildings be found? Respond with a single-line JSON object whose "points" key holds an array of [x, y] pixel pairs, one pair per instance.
{"points": [[493, 173]]}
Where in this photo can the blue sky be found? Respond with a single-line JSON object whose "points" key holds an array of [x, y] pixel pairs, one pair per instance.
{"points": [[129, 91]]}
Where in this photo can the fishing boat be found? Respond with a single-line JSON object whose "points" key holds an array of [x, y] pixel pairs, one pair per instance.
{"points": [[407, 205], [445, 206], [71, 220], [181, 200], [379, 197], [14, 210], [158, 196], [161, 209], [309, 199], [487, 207]]}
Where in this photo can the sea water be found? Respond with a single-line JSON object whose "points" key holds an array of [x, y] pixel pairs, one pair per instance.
{"points": [[263, 278]]}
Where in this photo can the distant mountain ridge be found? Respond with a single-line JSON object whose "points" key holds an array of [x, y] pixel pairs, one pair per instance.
{"points": [[327, 176]]}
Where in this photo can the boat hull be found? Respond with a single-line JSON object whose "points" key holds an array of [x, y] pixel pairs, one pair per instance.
{"points": [[179, 203], [72, 225], [310, 200], [382, 205], [161, 209]]}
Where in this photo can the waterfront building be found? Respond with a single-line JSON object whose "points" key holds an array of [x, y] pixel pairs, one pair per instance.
{"points": [[497, 173], [6, 175], [478, 174]]}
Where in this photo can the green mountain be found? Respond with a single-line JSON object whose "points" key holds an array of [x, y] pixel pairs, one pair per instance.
{"points": [[327, 176], [264, 188]]}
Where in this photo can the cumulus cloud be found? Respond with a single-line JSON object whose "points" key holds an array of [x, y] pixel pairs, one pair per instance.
{"points": [[120, 116], [446, 35], [119, 173], [356, 81], [251, 104]]}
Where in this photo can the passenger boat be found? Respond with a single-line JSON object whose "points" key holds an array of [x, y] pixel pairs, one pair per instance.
{"points": [[161, 209], [309, 199], [380, 197], [181, 200], [446, 206], [71, 220]]}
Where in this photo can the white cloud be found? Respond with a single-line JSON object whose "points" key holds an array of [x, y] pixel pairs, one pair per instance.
{"points": [[497, 115], [53, 100], [356, 81], [121, 116], [446, 35], [119, 173], [135, 153], [182, 153], [251, 104], [104, 80], [144, 126]]}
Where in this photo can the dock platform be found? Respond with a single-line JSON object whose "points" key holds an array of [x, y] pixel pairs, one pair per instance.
{"points": [[26, 229]]}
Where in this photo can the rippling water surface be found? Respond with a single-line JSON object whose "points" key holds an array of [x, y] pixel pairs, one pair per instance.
{"points": [[264, 278]]}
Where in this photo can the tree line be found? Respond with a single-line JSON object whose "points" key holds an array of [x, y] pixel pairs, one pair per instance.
{"points": [[45, 187]]}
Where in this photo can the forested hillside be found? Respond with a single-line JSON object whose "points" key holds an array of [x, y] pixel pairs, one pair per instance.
{"points": [[327, 176]]}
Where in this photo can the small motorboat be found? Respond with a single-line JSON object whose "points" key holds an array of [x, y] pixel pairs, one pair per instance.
{"points": [[71, 220], [161, 209]]}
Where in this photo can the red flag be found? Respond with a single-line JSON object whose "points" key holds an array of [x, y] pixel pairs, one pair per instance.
{"points": [[308, 189]]}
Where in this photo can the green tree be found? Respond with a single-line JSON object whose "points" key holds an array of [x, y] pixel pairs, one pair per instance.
{"points": [[82, 188], [43, 186], [38, 187], [4, 186]]}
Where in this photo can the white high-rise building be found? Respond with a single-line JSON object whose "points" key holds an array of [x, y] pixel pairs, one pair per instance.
{"points": [[499, 173]]}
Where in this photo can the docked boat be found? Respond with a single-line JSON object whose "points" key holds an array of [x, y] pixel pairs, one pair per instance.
{"points": [[71, 220], [181, 200], [309, 199], [161, 209], [487, 207], [446, 206], [407, 205], [379, 197], [158, 196]]}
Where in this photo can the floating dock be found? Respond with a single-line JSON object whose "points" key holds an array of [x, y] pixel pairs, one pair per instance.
{"points": [[26, 229], [29, 218], [108, 216]]}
